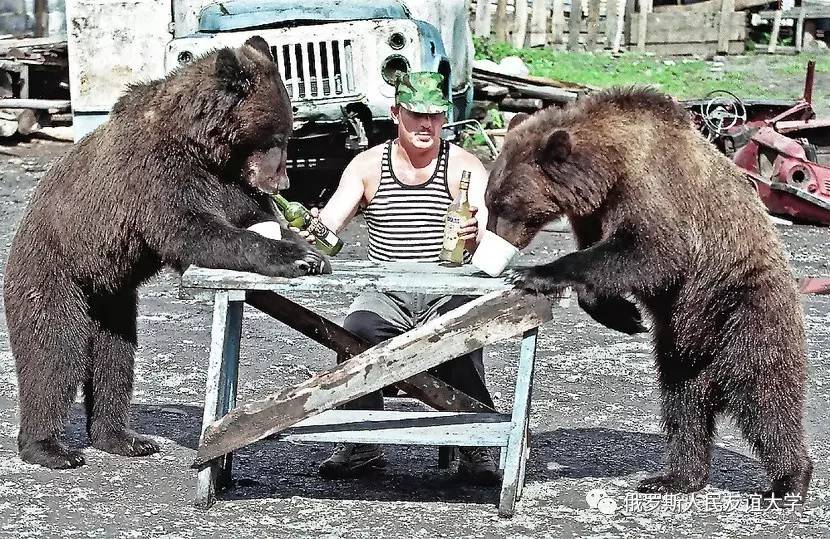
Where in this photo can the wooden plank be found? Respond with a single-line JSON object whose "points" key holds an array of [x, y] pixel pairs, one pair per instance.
{"points": [[520, 20], [423, 386], [799, 29], [557, 23], [694, 28], [810, 12], [482, 22], [517, 444], [642, 26], [708, 6], [502, 23], [14, 103], [574, 24], [776, 27], [727, 10], [692, 49], [530, 105], [483, 321], [410, 428], [539, 23], [593, 25], [392, 277]]}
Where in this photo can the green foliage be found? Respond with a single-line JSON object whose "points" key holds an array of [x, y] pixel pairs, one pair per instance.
{"points": [[472, 137], [683, 78]]}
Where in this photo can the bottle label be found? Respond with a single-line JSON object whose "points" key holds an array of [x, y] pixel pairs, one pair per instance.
{"points": [[329, 238], [317, 228], [452, 224]]}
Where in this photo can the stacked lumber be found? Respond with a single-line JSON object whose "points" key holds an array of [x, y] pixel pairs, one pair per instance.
{"points": [[23, 109], [34, 51], [515, 93]]}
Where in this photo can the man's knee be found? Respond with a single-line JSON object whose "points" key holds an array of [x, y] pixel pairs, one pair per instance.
{"points": [[369, 326]]}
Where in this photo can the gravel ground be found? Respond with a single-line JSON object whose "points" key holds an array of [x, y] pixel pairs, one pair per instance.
{"points": [[595, 425]]}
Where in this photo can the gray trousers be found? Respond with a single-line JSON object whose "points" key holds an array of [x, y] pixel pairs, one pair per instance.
{"points": [[376, 317]]}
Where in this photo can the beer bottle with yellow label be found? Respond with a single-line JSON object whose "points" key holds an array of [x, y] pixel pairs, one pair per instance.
{"points": [[299, 217], [458, 212]]}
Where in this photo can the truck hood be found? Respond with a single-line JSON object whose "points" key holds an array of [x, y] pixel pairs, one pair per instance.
{"points": [[243, 14]]}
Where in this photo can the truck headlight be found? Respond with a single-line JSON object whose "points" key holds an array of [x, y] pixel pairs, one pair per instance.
{"points": [[397, 41], [185, 57], [392, 67]]}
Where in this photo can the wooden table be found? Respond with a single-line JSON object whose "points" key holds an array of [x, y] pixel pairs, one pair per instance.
{"points": [[305, 412]]}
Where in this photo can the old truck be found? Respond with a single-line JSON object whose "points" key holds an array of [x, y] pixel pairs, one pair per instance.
{"points": [[339, 60]]}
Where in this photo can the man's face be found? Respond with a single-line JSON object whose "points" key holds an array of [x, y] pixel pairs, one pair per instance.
{"points": [[420, 130]]}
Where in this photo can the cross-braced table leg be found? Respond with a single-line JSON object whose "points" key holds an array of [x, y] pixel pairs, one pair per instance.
{"points": [[517, 444], [220, 395]]}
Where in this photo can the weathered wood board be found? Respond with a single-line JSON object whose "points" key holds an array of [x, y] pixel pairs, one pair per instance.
{"points": [[485, 320], [356, 277], [410, 428]]}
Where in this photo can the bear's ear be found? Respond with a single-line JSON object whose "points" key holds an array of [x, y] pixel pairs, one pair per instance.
{"points": [[558, 146], [517, 119], [259, 44], [230, 73]]}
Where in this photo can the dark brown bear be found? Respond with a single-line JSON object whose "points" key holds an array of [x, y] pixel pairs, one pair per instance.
{"points": [[174, 178], [659, 214]]}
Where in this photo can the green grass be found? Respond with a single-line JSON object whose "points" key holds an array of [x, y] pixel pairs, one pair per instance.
{"points": [[682, 78]]}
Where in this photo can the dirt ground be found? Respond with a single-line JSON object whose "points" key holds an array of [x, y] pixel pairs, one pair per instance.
{"points": [[595, 425]]}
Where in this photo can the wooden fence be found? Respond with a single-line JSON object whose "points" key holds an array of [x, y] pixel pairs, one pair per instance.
{"points": [[708, 27]]}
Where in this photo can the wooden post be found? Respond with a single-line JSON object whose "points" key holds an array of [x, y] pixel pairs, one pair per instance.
{"points": [[611, 17], [574, 24], [799, 29], [511, 487], [645, 9], [502, 27], [483, 321], [593, 24], [220, 393], [482, 28], [41, 18], [628, 29], [557, 23], [616, 41], [520, 23], [727, 8], [776, 27], [539, 23]]}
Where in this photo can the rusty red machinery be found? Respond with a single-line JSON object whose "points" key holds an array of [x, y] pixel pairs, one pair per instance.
{"points": [[782, 147]]}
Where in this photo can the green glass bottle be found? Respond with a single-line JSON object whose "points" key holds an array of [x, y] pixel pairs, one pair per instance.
{"points": [[299, 217], [459, 211]]}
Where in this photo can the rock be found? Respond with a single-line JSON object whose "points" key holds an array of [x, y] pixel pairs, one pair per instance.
{"points": [[513, 65]]}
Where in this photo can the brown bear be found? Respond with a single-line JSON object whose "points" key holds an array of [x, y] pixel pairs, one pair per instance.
{"points": [[181, 168], [660, 215]]}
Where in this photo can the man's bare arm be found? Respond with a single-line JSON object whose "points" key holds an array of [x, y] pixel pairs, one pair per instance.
{"points": [[345, 201]]}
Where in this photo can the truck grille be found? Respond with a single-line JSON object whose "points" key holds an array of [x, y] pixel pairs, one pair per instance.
{"points": [[316, 69]]}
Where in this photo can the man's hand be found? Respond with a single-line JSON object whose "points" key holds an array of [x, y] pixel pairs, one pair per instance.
{"points": [[305, 234], [469, 228]]}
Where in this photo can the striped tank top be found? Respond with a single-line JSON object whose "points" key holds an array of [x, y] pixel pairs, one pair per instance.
{"points": [[406, 222]]}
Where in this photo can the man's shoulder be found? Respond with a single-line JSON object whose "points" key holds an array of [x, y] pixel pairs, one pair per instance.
{"points": [[369, 157]]}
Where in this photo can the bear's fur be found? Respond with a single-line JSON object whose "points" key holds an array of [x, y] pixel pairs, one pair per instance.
{"points": [[659, 214], [174, 177]]}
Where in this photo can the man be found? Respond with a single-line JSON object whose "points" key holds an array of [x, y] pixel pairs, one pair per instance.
{"points": [[404, 187]]}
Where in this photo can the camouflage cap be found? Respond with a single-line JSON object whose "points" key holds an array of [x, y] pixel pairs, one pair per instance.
{"points": [[421, 91]]}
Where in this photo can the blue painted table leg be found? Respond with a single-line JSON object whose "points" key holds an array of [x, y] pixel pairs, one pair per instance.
{"points": [[220, 394], [517, 442]]}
